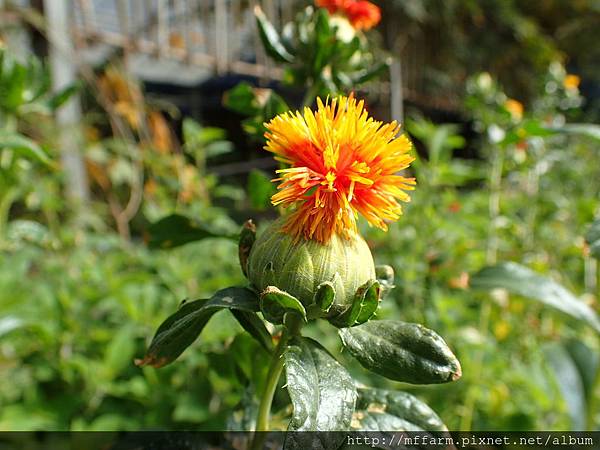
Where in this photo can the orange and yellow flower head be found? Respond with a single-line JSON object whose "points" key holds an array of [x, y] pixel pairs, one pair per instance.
{"points": [[341, 163]]}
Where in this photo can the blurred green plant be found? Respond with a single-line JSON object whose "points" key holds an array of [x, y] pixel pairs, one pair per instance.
{"points": [[67, 289], [323, 53], [75, 314], [257, 104], [26, 107]]}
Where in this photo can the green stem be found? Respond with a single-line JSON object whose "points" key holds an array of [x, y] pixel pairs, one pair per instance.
{"points": [[532, 191], [592, 403], [472, 395], [598, 287], [495, 182], [311, 93], [275, 369], [6, 201], [495, 185], [290, 329]]}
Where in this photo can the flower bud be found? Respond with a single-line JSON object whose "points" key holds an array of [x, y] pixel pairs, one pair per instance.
{"points": [[298, 266]]}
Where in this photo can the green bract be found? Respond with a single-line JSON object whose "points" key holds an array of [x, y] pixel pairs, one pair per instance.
{"points": [[300, 267]]}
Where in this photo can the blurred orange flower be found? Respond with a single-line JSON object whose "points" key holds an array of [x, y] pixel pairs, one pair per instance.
{"points": [[454, 207], [160, 132], [362, 14], [571, 81], [460, 282], [515, 108]]}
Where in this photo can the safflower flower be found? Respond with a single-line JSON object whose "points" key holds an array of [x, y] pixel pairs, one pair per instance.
{"points": [[342, 163]]}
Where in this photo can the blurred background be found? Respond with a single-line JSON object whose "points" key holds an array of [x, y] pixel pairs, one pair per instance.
{"points": [[116, 114]]}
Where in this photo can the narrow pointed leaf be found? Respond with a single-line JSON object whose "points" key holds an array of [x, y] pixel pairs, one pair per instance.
{"points": [[402, 351], [364, 305], [176, 333], [23, 146], [369, 300], [275, 303], [60, 98], [368, 74], [270, 38], [325, 296], [182, 328], [523, 281], [324, 43]]}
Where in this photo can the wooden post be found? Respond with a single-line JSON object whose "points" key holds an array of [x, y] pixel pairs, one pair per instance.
{"points": [[64, 73], [221, 33], [396, 94]]}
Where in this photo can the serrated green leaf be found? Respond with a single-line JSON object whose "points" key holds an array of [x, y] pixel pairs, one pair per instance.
{"points": [[322, 392], [176, 230], [368, 296], [401, 351], [364, 305], [275, 303], [523, 281], [325, 296], [413, 413], [182, 328]]}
